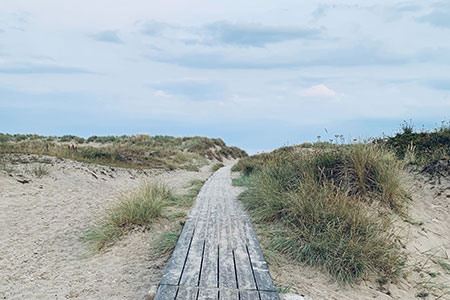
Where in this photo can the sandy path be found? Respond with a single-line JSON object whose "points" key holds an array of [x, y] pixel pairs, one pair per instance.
{"points": [[41, 254]]}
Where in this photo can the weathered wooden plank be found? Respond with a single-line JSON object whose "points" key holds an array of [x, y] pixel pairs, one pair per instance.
{"points": [[269, 295], [259, 265], [209, 272], [248, 295], [227, 275], [208, 294], [174, 268], [191, 271], [245, 279], [166, 292], [228, 294], [187, 293]]}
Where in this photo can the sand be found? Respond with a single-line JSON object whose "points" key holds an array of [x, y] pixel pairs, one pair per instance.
{"points": [[41, 222]]}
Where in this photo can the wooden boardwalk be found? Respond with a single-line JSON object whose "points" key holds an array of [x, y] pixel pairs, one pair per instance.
{"points": [[217, 255]]}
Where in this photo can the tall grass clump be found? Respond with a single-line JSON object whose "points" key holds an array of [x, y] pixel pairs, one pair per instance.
{"points": [[327, 203], [135, 210]]}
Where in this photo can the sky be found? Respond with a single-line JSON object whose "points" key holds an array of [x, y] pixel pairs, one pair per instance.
{"points": [[259, 74]]}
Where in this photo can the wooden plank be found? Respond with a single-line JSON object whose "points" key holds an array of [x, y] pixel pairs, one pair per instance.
{"points": [[166, 292], [191, 271], [245, 279], [187, 293], [228, 294], [248, 295], [208, 294], [259, 265], [269, 295], [175, 267], [227, 275], [209, 272]]}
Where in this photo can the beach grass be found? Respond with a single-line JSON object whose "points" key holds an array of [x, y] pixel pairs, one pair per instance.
{"points": [[332, 207]]}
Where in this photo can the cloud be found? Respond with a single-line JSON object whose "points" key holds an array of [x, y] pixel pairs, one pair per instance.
{"points": [[192, 89], [361, 54], [439, 16], [161, 93], [109, 36], [228, 33], [154, 28], [253, 34], [29, 68], [319, 90]]}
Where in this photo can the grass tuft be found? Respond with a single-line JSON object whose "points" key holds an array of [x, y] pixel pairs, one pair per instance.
{"points": [[165, 243], [217, 166], [40, 171], [136, 210]]}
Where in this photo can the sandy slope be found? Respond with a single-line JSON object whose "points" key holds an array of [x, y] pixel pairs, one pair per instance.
{"points": [[41, 254], [426, 237]]}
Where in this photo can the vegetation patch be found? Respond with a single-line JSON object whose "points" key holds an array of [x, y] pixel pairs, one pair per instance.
{"points": [[217, 166], [136, 210], [139, 151], [331, 207], [139, 210], [165, 242], [427, 149]]}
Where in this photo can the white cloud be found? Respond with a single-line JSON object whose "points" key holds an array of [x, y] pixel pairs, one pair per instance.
{"points": [[319, 90], [161, 93]]}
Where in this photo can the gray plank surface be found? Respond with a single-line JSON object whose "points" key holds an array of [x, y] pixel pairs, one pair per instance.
{"points": [[218, 254]]}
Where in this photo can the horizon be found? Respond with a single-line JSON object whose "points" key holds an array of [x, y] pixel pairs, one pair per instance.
{"points": [[259, 75]]}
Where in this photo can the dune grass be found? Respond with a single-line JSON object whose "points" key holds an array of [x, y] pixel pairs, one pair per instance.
{"points": [[330, 207], [188, 198], [139, 151], [135, 210], [139, 210], [421, 148], [217, 166], [165, 242]]}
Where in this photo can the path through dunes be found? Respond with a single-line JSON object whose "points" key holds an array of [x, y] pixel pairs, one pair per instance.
{"points": [[218, 255]]}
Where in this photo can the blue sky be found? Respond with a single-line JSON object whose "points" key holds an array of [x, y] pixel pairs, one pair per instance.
{"points": [[259, 74]]}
